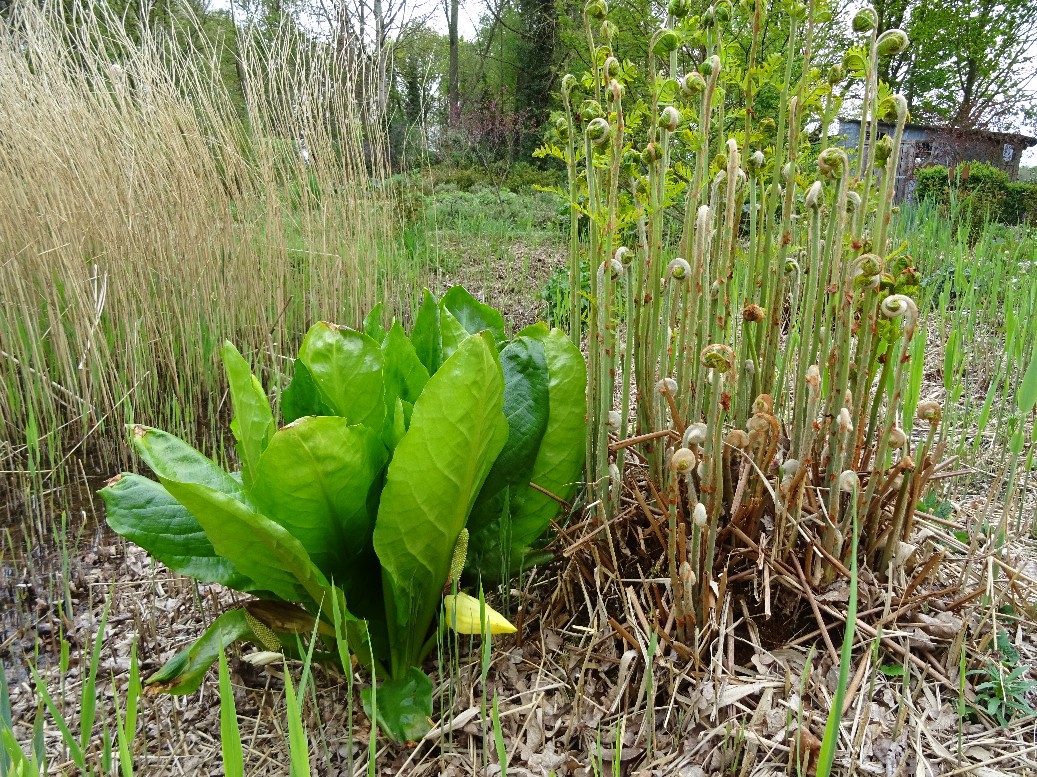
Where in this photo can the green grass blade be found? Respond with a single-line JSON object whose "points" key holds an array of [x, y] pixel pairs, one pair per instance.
{"points": [[1027, 394], [123, 738], [88, 703], [39, 747], [830, 742], [13, 762], [74, 748], [298, 746], [230, 734], [133, 693], [498, 739], [5, 722]]}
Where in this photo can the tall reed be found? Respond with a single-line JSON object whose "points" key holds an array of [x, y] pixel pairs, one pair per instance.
{"points": [[148, 216]]}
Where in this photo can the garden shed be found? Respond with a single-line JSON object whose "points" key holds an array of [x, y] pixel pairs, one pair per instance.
{"points": [[947, 146]]}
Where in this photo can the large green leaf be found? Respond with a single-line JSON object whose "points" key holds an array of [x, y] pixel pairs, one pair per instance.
{"points": [[456, 431], [526, 406], [473, 315], [425, 335], [314, 480], [404, 374], [437, 333], [526, 402], [302, 398], [256, 545], [346, 368], [144, 512], [562, 451], [404, 705], [173, 459], [373, 323], [184, 672], [253, 422], [451, 332]]}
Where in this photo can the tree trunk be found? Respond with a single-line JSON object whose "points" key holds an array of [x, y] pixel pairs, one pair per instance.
{"points": [[453, 87]]}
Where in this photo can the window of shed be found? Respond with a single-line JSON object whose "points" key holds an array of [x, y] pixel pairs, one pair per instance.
{"points": [[1008, 152]]}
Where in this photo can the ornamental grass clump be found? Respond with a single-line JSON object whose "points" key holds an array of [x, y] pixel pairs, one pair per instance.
{"points": [[762, 347], [407, 466]]}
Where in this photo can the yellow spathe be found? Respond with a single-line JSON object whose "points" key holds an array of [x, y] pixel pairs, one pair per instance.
{"points": [[462, 615]]}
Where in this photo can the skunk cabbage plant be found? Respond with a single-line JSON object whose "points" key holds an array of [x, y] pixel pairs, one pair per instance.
{"points": [[400, 457]]}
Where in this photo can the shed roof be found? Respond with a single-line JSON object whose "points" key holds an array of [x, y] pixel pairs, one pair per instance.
{"points": [[1015, 138]]}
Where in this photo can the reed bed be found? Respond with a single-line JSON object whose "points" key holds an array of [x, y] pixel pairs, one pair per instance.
{"points": [[153, 210]]}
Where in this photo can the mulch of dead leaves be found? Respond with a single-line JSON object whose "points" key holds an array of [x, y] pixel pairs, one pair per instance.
{"points": [[595, 681]]}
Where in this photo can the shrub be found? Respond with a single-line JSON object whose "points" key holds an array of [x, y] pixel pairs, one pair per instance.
{"points": [[1020, 204], [933, 183], [983, 190], [525, 178], [403, 460]]}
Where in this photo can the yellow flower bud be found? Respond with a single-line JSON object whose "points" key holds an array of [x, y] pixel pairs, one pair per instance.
{"points": [[462, 615]]}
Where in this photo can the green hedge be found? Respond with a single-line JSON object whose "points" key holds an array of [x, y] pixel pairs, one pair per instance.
{"points": [[982, 189]]}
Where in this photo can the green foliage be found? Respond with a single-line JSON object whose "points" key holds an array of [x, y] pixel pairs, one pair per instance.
{"points": [[1020, 203], [982, 189], [969, 63], [404, 705], [557, 296], [1004, 688], [932, 183], [392, 449], [487, 208], [934, 505]]}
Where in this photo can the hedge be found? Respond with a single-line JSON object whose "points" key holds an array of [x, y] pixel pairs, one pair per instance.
{"points": [[983, 189]]}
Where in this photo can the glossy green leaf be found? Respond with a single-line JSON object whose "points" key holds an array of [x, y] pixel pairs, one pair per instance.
{"points": [[346, 368], [404, 374], [253, 422], [1026, 396], [259, 548], [314, 480], [400, 419], [302, 398], [373, 327], [144, 512], [172, 458], [526, 403], [405, 377], [437, 333], [526, 406], [452, 333], [425, 336], [559, 463], [184, 672], [473, 315], [456, 431], [404, 708]]}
